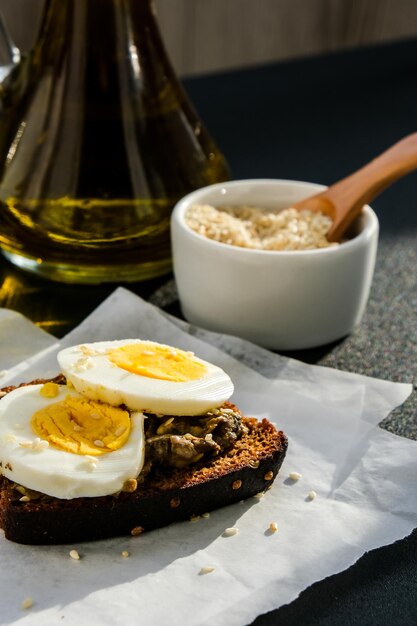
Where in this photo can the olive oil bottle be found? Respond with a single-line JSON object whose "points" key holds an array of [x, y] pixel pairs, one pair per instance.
{"points": [[98, 141]]}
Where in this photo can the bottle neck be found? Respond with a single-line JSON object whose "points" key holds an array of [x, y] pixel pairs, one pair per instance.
{"points": [[108, 38]]}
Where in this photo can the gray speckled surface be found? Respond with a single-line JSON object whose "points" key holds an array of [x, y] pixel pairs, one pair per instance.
{"points": [[385, 344]]}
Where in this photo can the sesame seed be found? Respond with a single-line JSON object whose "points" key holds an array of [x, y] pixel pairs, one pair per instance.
{"points": [[77, 428], [229, 532], [237, 484], [95, 416], [125, 554], [137, 530], [259, 495], [99, 443], [269, 475], [120, 431], [174, 503], [27, 603], [130, 485], [206, 515], [195, 518], [148, 352], [273, 527], [25, 444], [91, 459], [24, 499], [40, 444], [74, 555], [294, 476], [206, 570], [311, 495], [2, 394]]}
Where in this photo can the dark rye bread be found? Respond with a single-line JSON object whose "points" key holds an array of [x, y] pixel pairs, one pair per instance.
{"points": [[246, 469]]}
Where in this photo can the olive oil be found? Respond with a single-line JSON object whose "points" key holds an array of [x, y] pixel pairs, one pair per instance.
{"points": [[99, 144]]}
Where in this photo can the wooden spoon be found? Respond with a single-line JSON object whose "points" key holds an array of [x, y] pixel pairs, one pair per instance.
{"points": [[344, 200]]}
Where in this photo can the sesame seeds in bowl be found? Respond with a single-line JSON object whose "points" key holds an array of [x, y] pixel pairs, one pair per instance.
{"points": [[238, 273], [259, 228]]}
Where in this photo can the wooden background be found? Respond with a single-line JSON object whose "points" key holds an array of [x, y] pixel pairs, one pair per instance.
{"points": [[212, 35]]}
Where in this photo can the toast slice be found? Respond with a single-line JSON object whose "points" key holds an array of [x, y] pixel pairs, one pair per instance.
{"points": [[246, 469]]}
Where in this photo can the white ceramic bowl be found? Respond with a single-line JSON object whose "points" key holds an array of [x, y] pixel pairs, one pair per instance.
{"points": [[277, 299]]}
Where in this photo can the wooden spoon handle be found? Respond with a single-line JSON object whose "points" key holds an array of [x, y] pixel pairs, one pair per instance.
{"points": [[344, 200]]}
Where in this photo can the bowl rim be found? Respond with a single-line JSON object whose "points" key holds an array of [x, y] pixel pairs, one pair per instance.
{"points": [[178, 216]]}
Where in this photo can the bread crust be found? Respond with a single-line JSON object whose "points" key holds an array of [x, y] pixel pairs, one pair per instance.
{"points": [[249, 467]]}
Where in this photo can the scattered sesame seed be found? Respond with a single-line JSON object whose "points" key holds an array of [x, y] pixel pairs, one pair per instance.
{"points": [[259, 495], [311, 495], [237, 484], [125, 554], [27, 603], [40, 444], [294, 476], [24, 499], [137, 530], [273, 527], [229, 532], [25, 444], [74, 555], [83, 363], [206, 570], [269, 475], [130, 485]]}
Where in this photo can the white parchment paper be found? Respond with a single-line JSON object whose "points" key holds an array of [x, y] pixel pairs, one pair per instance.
{"points": [[364, 478]]}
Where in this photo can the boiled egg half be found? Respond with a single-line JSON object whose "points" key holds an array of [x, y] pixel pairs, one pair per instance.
{"points": [[60, 443], [145, 376]]}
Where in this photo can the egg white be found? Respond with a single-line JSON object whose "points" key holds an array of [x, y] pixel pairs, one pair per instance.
{"points": [[91, 372], [56, 472]]}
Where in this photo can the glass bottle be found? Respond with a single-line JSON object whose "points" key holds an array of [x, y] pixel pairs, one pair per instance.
{"points": [[98, 140]]}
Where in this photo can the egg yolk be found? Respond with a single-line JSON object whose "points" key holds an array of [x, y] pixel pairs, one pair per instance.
{"points": [[156, 361], [82, 426]]}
